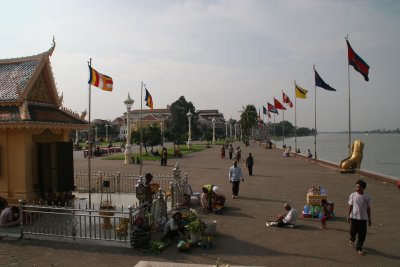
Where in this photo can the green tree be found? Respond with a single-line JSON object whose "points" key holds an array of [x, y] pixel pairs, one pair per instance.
{"points": [[207, 135], [248, 119], [151, 137], [285, 126], [179, 120]]}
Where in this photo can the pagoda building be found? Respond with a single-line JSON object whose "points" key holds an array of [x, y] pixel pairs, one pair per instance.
{"points": [[36, 154]]}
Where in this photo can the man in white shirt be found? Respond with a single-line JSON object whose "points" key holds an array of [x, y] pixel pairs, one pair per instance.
{"points": [[235, 175], [359, 214], [285, 220]]}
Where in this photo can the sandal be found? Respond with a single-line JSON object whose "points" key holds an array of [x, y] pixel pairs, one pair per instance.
{"points": [[361, 252], [351, 243]]}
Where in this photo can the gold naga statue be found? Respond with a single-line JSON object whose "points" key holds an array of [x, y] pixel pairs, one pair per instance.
{"points": [[354, 160]]}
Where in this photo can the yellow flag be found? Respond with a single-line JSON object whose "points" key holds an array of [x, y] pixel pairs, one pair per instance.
{"points": [[300, 92]]}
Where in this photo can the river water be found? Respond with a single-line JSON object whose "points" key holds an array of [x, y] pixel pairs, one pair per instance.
{"points": [[381, 151]]}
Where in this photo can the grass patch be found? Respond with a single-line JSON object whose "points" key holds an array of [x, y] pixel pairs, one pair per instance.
{"points": [[184, 151]]}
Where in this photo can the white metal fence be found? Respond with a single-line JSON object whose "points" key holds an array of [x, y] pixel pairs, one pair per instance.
{"points": [[37, 219]]}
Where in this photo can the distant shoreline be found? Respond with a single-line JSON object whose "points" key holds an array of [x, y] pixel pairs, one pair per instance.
{"points": [[368, 173]]}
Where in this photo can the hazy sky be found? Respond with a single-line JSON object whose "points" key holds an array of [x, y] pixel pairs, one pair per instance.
{"points": [[218, 54]]}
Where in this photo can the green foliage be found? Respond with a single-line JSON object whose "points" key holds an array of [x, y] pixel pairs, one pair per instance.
{"points": [[195, 223], [184, 151], [152, 136], [179, 120], [207, 136], [248, 119]]}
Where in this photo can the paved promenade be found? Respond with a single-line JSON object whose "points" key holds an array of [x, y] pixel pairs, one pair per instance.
{"points": [[243, 238]]}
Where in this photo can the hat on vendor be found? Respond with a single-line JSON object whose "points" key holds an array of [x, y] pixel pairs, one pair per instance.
{"points": [[217, 190]]}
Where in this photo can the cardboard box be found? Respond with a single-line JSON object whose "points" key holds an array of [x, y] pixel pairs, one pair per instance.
{"points": [[315, 199]]}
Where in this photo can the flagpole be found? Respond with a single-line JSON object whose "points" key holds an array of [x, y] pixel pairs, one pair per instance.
{"points": [[348, 75], [283, 127], [274, 126], [295, 116], [90, 143], [315, 117], [264, 134], [141, 130]]}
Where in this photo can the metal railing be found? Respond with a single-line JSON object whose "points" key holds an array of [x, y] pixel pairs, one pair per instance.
{"points": [[119, 182], [85, 223]]}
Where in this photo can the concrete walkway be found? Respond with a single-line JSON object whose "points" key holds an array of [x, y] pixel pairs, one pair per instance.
{"points": [[243, 238]]}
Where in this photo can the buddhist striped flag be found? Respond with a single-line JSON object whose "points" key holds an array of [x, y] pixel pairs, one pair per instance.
{"points": [[100, 80], [149, 100]]}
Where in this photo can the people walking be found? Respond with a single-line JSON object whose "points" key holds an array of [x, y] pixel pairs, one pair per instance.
{"points": [[238, 154], [249, 164], [164, 156], [359, 215], [222, 152], [235, 175], [230, 151]]}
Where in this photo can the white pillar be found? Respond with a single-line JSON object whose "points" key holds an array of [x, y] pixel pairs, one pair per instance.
{"points": [[235, 130], [189, 142], [128, 149], [230, 128], [213, 125]]}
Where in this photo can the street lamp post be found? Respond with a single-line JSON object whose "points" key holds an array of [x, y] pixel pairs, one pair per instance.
{"points": [[236, 130], [213, 125], [128, 149], [162, 131], [107, 125], [189, 141], [95, 136], [76, 137], [230, 128], [226, 129]]}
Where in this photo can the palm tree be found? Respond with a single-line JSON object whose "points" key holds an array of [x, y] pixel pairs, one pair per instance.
{"points": [[248, 119]]}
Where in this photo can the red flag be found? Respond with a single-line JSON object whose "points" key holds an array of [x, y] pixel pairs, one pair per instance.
{"points": [[286, 100], [357, 62], [269, 115], [278, 104]]}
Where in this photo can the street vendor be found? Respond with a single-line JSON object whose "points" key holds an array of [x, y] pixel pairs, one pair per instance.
{"points": [[174, 227], [218, 199], [207, 194]]}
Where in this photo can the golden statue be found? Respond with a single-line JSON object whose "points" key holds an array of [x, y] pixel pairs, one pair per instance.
{"points": [[354, 161]]}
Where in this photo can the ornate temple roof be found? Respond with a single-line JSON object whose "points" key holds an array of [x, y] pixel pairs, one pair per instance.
{"points": [[29, 97]]}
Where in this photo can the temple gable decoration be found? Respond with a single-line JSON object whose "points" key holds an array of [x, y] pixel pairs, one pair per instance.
{"points": [[29, 96]]}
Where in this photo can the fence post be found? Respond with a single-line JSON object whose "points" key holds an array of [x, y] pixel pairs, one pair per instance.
{"points": [[118, 182], [171, 190], [21, 219], [131, 222]]}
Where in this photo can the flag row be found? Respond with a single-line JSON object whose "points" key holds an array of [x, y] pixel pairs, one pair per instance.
{"points": [[354, 60]]}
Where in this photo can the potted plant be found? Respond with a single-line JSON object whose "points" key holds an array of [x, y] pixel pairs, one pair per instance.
{"points": [[196, 228]]}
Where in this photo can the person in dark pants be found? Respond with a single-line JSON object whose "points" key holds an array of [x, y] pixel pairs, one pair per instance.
{"points": [[249, 164], [230, 151], [359, 215], [235, 175], [164, 156]]}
